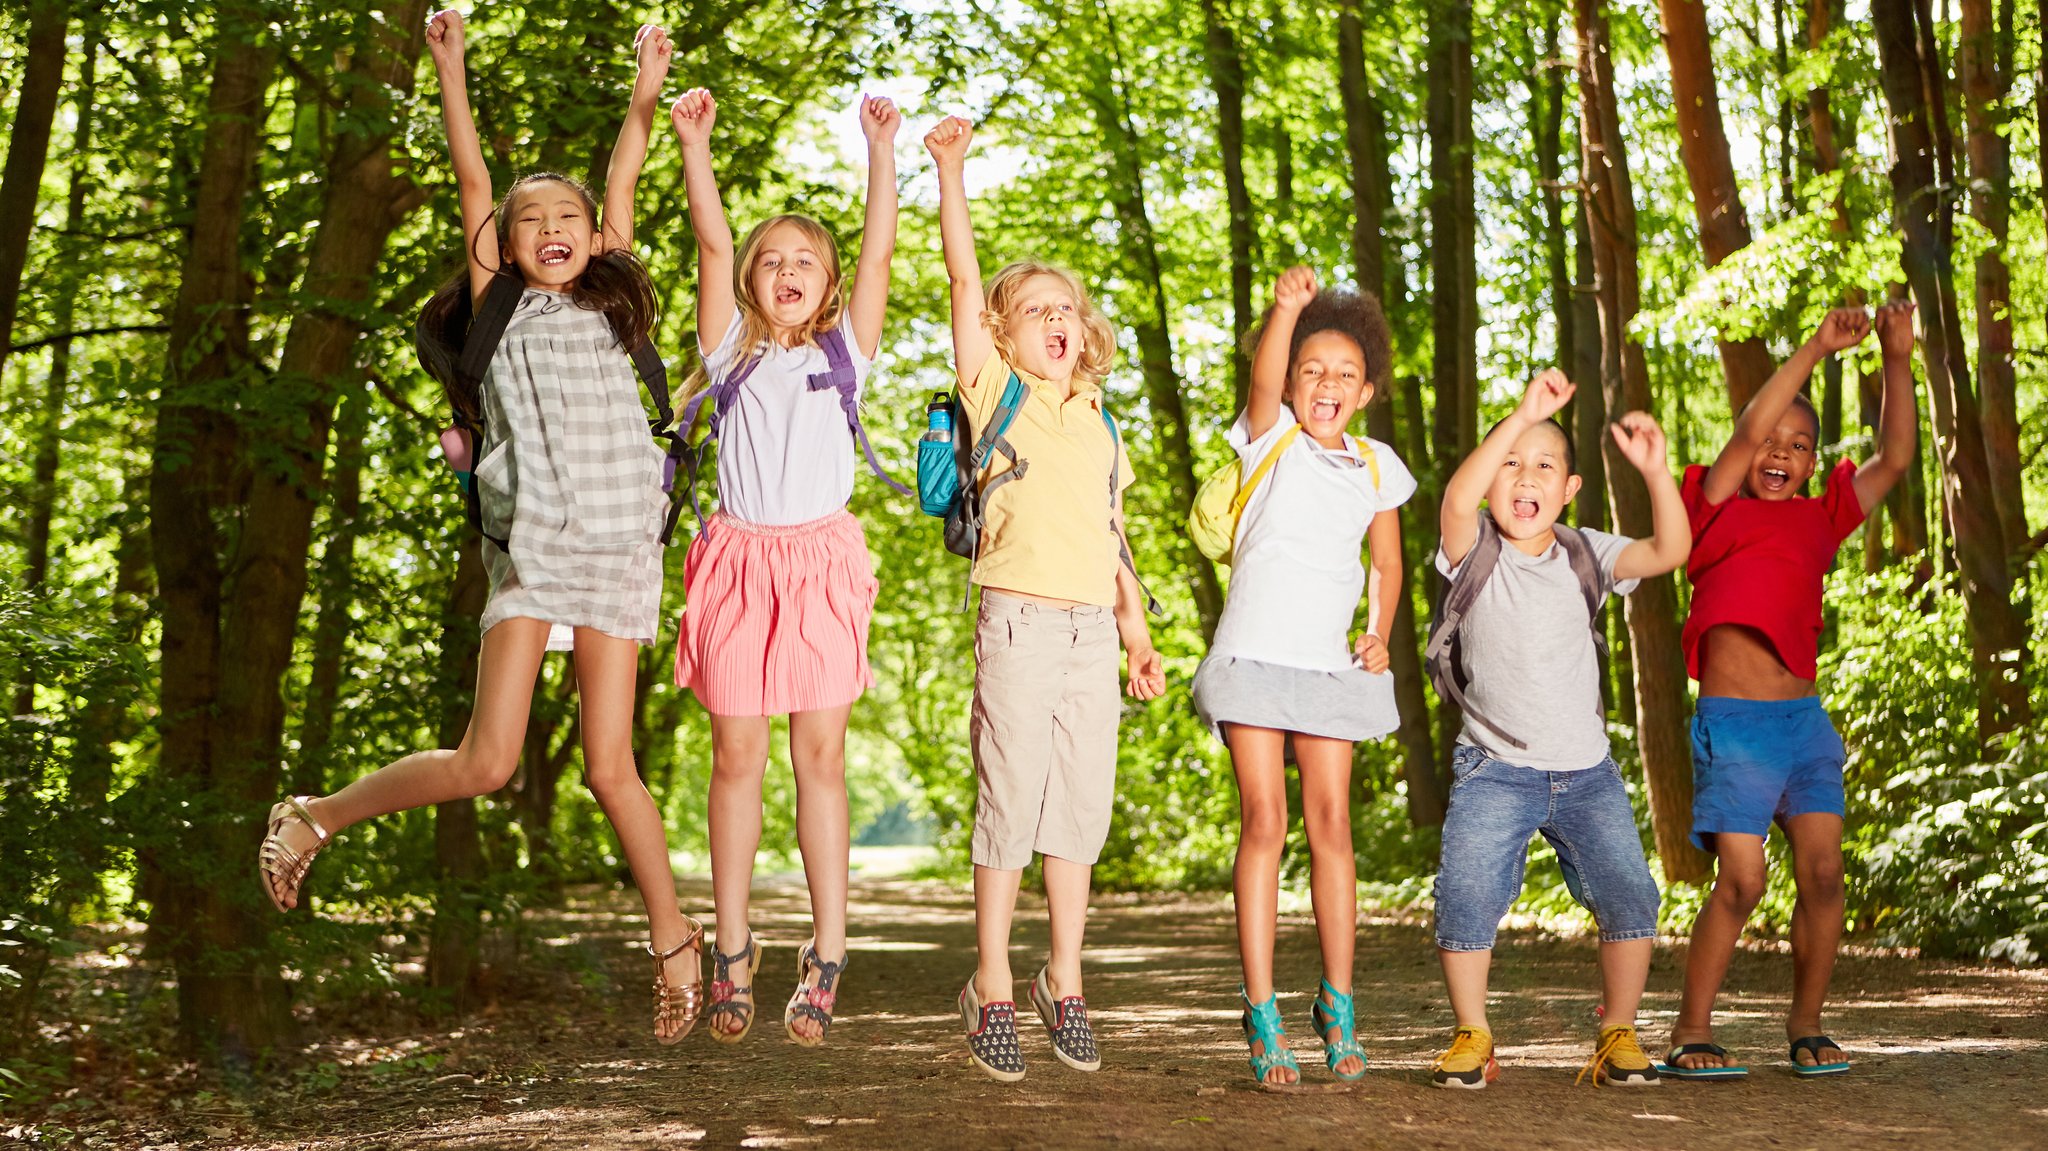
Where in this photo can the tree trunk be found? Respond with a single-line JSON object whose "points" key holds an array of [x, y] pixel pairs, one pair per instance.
{"points": [[28, 149], [42, 493], [453, 943], [1913, 86], [1145, 308], [1652, 611], [231, 606], [1589, 407], [1370, 182], [336, 587], [1984, 66], [1226, 76], [1454, 304], [1716, 198]]}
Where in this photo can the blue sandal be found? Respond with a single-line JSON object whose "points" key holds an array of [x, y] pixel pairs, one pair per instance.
{"points": [[1262, 1027], [1814, 1045], [1337, 1015]]}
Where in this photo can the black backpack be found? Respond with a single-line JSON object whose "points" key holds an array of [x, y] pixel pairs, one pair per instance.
{"points": [[475, 339], [1444, 657]]}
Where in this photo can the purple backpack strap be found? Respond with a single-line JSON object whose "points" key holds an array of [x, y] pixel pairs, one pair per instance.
{"points": [[839, 374]]}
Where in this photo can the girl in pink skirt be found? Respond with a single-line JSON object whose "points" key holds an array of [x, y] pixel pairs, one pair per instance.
{"points": [[779, 585]]}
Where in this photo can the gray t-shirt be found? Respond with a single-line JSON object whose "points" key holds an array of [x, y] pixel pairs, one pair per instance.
{"points": [[1530, 654]]}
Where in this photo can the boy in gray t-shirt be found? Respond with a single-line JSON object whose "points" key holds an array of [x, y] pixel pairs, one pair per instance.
{"points": [[1532, 678]]}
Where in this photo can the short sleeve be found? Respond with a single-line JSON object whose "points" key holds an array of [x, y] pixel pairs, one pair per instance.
{"points": [[981, 393], [1838, 499], [1444, 566], [719, 361], [1126, 475], [1607, 548], [1397, 483], [1251, 451], [1692, 490]]}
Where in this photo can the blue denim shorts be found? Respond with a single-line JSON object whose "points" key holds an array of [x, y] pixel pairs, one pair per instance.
{"points": [[1755, 760], [1496, 806]]}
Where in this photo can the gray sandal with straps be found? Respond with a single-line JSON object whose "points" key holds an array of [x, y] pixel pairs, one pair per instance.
{"points": [[725, 992], [813, 1001]]}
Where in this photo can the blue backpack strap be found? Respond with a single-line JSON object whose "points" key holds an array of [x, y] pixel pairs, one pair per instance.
{"points": [[839, 374]]}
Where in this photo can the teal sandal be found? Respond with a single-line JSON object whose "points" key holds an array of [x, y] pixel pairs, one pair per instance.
{"points": [[1337, 1015], [1263, 1030]]}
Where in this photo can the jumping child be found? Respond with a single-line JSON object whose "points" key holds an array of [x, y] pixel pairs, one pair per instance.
{"points": [[570, 481], [1055, 598], [779, 587], [1764, 750], [1282, 668], [1533, 754]]}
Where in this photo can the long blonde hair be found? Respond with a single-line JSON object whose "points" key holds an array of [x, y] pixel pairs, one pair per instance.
{"points": [[1098, 339], [755, 332]]}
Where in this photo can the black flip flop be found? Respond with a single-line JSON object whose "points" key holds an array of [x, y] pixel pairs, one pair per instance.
{"points": [[1670, 1065], [1814, 1045]]}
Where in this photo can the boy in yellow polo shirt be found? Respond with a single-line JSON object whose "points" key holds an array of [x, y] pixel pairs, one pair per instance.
{"points": [[1056, 597]]}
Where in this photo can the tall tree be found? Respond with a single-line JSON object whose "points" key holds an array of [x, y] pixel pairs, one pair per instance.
{"points": [[28, 150], [1371, 182], [1107, 94], [1984, 66], [335, 585], [231, 600], [1226, 77], [453, 943], [1910, 69], [1453, 214], [1716, 198], [1652, 610]]}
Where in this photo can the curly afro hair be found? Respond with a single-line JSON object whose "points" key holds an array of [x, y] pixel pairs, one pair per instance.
{"points": [[1349, 312]]}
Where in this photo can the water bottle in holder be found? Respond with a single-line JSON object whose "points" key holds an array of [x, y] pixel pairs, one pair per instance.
{"points": [[938, 480]]}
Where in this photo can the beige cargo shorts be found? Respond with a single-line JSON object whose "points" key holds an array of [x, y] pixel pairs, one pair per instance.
{"points": [[1043, 726]]}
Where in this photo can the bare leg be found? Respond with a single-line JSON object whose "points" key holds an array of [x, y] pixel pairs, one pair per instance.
{"points": [[739, 758], [1325, 766], [605, 667], [1066, 901], [1624, 969], [1816, 839], [1255, 755], [1739, 879], [817, 750], [1465, 974], [506, 667], [995, 904]]}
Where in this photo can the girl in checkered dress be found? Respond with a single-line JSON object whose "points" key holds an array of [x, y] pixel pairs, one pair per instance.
{"points": [[570, 499]]}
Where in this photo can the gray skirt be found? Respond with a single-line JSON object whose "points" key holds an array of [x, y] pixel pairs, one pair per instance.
{"points": [[1352, 704]]}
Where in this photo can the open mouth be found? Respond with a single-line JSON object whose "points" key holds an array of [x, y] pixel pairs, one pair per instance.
{"points": [[551, 255], [1056, 345], [789, 294], [1524, 509], [1323, 408], [1774, 479]]}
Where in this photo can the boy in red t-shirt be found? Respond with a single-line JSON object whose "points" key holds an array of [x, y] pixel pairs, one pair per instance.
{"points": [[1763, 748]]}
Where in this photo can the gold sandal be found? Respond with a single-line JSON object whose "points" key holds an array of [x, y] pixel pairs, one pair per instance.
{"points": [[672, 1004], [284, 869]]}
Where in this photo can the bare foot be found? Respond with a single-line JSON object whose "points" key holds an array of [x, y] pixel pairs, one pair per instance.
{"points": [[1698, 1060], [678, 971]]}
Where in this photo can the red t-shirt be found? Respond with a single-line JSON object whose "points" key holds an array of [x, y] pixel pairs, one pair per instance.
{"points": [[1760, 563]]}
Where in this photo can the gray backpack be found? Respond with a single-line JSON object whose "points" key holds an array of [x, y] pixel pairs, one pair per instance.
{"points": [[1444, 658]]}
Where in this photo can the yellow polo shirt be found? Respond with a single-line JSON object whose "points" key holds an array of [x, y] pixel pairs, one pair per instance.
{"points": [[1048, 532]]}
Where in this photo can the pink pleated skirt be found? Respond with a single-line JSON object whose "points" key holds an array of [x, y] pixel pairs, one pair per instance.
{"points": [[775, 619]]}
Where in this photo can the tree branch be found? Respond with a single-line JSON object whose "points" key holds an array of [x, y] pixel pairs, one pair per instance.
{"points": [[82, 333]]}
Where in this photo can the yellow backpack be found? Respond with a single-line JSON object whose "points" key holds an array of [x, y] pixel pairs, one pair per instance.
{"points": [[1220, 503]]}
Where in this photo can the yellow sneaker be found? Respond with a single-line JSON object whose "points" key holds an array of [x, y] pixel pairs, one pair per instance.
{"points": [[1469, 1064], [1619, 1061]]}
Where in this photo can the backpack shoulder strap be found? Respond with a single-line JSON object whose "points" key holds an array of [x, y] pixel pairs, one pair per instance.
{"points": [[1440, 658], [1586, 567], [487, 328], [839, 374], [1272, 456], [1116, 512], [993, 436], [1363, 447]]}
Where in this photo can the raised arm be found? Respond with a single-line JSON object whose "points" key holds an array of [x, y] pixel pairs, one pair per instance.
{"points": [[1642, 444], [879, 120], [465, 154], [693, 115], [1842, 328], [947, 142], [1291, 293], [629, 155], [1898, 424], [1458, 519]]}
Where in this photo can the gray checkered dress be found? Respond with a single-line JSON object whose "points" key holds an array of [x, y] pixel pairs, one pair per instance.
{"points": [[570, 479]]}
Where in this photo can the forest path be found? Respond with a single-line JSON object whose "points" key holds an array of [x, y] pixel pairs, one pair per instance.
{"points": [[1945, 1052]]}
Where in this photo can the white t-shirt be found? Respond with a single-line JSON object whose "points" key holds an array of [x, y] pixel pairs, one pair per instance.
{"points": [[1528, 648], [1299, 575], [785, 454]]}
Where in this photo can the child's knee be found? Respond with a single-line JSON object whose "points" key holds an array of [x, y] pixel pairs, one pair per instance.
{"points": [[1327, 828], [1739, 892], [1821, 879], [739, 755], [1265, 827], [483, 769]]}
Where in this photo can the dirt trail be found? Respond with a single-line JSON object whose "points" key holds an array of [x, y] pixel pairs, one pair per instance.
{"points": [[1947, 1055]]}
